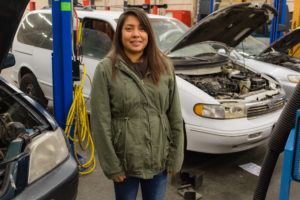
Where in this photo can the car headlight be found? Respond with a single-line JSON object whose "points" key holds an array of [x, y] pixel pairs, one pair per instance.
{"points": [[46, 152], [294, 78], [222, 111]]}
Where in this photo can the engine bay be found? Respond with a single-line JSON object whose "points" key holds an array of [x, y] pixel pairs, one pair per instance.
{"points": [[287, 61], [231, 81], [17, 119]]}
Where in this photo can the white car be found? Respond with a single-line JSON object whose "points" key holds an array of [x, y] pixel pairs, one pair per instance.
{"points": [[226, 106], [274, 60]]}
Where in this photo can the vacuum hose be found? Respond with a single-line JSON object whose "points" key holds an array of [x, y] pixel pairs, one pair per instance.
{"points": [[277, 142]]}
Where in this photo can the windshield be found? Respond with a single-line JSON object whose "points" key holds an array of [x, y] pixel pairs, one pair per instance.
{"points": [[167, 31], [251, 47], [197, 49]]}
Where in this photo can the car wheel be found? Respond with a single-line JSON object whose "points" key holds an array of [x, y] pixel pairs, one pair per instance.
{"points": [[30, 86]]}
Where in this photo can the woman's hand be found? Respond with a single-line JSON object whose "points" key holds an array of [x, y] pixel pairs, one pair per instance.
{"points": [[172, 173], [119, 179]]}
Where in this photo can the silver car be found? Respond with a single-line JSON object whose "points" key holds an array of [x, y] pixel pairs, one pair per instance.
{"points": [[274, 60]]}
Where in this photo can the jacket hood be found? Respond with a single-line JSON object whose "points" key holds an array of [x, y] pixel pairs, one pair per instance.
{"points": [[230, 25], [285, 43], [11, 13]]}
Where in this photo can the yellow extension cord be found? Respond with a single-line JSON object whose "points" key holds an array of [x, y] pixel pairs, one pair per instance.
{"points": [[82, 130]]}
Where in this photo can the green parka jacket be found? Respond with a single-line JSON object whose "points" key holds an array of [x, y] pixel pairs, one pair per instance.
{"points": [[137, 126]]}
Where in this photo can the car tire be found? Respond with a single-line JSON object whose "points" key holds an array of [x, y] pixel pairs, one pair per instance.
{"points": [[30, 86]]}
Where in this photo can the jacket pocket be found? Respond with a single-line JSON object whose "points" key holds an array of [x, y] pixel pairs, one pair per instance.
{"points": [[166, 138], [116, 136]]}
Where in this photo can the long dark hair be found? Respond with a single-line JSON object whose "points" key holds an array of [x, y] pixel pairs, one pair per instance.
{"points": [[154, 60]]}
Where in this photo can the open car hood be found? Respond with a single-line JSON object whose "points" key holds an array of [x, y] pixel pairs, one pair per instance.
{"points": [[285, 43], [11, 13], [230, 25]]}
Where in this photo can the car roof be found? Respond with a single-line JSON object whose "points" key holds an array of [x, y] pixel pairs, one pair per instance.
{"points": [[101, 14]]}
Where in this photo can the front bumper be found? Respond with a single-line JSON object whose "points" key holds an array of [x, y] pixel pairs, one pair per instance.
{"points": [[288, 88], [228, 136], [60, 183]]}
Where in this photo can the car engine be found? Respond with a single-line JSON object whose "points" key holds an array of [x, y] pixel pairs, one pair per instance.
{"points": [[9, 131], [290, 62], [232, 81], [15, 120]]}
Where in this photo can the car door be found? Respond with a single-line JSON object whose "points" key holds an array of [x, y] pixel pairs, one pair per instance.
{"points": [[96, 40], [42, 54]]}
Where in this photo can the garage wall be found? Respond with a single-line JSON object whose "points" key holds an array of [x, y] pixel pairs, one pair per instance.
{"points": [[38, 3], [225, 3], [191, 5], [290, 4]]}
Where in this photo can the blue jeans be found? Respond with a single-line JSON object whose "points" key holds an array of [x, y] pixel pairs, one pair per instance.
{"points": [[152, 189]]}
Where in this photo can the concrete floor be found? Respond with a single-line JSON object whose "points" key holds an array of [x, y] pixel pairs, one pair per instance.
{"points": [[97, 187], [223, 179]]}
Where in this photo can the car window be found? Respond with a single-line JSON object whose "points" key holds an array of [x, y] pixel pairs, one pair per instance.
{"points": [[36, 30], [194, 50], [262, 31], [167, 31], [97, 38], [251, 47], [46, 28]]}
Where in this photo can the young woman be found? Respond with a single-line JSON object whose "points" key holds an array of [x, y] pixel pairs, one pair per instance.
{"points": [[135, 112]]}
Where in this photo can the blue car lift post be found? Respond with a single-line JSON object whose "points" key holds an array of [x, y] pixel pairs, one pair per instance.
{"points": [[62, 61], [291, 163], [278, 21], [206, 3]]}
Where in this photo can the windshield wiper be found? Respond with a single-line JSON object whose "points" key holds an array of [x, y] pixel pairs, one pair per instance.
{"points": [[188, 57], [206, 54]]}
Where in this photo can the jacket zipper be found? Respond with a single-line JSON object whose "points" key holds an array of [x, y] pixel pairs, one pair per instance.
{"points": [[140, 83]]}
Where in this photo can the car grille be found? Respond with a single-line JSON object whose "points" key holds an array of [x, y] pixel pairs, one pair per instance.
{"points": [[264, 109]]}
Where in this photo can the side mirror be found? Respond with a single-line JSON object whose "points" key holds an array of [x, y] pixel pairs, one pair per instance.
{"points": [[9, 61]]}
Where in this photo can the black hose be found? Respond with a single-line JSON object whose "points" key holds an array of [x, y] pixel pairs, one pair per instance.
{"points": [[265, 175], [21, 155], [277, 143], [286, 122]]}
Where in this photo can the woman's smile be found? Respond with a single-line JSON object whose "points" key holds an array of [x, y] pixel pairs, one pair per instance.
{"points": [[136, 43]]}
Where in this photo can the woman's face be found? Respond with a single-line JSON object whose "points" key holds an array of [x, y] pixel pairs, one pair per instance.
{"points": [[134, 38]]}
